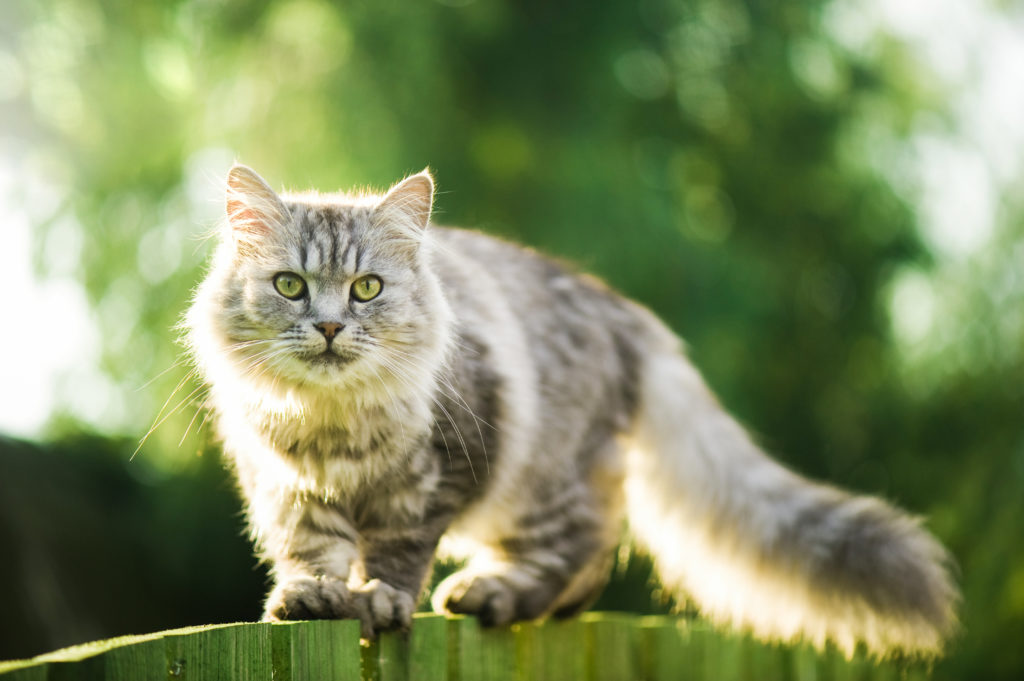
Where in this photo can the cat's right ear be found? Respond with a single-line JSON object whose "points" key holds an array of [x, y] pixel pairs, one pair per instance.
{"points": [[404, 212], [253, 208]]}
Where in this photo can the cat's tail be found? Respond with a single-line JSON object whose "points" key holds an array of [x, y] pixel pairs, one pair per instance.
{"points": [[758, 547]]}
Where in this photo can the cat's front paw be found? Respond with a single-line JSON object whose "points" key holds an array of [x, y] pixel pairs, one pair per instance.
{"points": [[310, 598], [382, 607]]}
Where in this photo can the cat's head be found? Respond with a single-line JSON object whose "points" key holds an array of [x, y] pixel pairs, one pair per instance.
{"points": [[322, 292]]}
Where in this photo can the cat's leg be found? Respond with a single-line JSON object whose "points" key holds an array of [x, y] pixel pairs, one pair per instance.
{"points": [[325, 570], [586, 586], [554, 561], [312, 547], [387, 583]]}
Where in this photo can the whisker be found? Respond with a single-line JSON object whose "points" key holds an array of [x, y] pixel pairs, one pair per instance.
{"points": [[459, 401], [199, 409], [178, 363], [394, 404], [169, 414], [396, 371]]}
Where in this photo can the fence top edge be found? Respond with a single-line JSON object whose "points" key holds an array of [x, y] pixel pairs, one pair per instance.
{"points": [[82, 651], [202, 628], [432, 616], [14, 665], [610, 616]]}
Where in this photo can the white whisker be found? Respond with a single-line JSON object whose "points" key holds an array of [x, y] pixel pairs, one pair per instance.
{"points": [[459, 401], [397, 372]]}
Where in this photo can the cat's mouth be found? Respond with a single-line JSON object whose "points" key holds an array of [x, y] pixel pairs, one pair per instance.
{"points": [[327, 358]]}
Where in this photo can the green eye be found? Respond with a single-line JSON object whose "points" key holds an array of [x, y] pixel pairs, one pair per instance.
{"points": [[290, 285], [366, 288]]}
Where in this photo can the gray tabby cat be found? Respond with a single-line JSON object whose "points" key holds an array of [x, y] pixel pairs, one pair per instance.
{"points": [[385, 389]]}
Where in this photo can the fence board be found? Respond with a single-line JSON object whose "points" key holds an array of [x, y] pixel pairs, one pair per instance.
{"points": [[241, 652], [393, 657], [428, 647], [498, 654], [663, 650], [610, 645], [317, 650], [594, 647], [142, 660], [29, 672], [558, 650], [89, 669], [23, 670]]}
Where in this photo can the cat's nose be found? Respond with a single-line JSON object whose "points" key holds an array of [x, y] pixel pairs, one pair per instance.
{"points": [[329, 329]]}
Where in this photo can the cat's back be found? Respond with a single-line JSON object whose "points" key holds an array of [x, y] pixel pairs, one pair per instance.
{"points": [[534, 285], [583, 340]]}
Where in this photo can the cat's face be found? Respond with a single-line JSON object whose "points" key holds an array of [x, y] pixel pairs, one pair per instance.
{"points": [[327, 291]]}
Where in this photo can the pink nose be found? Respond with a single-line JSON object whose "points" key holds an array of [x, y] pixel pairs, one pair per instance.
{"points": [[329, 329]]}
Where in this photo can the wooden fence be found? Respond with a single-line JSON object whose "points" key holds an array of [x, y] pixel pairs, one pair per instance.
{"points": [[594, 647]]}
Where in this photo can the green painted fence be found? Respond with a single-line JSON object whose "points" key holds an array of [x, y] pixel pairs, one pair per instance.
{"points": [[594, 647]]}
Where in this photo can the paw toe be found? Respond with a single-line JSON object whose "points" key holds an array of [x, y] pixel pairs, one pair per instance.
{"points": [[487, 597], [309, 598], [383, 607]]}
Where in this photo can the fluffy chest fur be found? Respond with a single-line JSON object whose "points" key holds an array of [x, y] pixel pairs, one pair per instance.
{"points": [[375, 436], [373, 462]]}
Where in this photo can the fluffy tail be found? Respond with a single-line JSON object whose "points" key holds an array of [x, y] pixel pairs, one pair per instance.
{"points": [[758, 547]]}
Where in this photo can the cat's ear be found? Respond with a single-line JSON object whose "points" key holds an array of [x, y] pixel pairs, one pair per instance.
{"points": [[253, 208], [406, 207]]}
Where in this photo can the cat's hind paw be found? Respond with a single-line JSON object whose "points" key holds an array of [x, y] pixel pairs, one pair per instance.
{"points": [[495, 598]]}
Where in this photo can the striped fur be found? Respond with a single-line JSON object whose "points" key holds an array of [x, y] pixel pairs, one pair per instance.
{"points": [[492, 405]]}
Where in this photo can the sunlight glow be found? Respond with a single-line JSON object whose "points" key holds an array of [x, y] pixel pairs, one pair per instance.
{"points": [[49, 332]]}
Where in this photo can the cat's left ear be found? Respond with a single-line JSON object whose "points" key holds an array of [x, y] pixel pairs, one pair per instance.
{"points": [[407, 205]]}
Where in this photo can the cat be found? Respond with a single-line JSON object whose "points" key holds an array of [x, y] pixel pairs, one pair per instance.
{"points": [[389, 390]]}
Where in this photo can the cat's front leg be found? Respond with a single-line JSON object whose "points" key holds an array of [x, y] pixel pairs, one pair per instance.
{"points": [[395, 565], [312, 547]]}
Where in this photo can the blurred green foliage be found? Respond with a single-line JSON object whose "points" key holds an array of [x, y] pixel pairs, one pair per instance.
{"points": [[717, 160], [97, 547]]}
